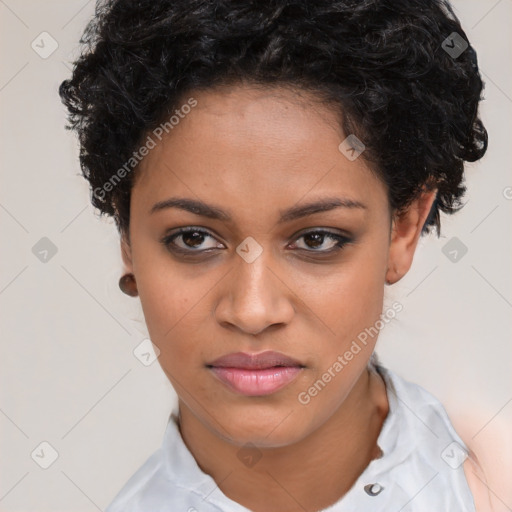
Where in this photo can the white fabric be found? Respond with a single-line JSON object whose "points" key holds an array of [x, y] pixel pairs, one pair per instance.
{"points": [[418, 472]]}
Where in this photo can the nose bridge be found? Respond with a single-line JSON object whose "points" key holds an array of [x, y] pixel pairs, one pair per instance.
{"points": [[255, 297], [253, 277]]}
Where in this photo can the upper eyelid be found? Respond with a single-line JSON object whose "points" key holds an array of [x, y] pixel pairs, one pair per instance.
{"points": [[300, 234]]}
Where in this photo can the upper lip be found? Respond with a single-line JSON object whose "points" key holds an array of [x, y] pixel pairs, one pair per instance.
{"points": [[258, 361]]}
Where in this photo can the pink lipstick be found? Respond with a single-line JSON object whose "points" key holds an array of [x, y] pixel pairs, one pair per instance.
{"points": [[255, 374]]}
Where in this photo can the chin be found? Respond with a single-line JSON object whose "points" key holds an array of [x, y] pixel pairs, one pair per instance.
{"points": [[263, 428]]}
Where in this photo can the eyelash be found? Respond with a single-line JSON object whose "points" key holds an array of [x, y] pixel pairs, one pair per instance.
{"points": [[168, 241]]}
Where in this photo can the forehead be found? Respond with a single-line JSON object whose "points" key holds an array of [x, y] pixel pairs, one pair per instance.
{"points": [[252, 148]]}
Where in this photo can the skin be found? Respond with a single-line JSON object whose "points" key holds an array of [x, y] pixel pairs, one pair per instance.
{"points": [[254, 153]]}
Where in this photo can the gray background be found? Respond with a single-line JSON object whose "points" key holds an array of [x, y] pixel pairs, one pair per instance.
{"points": [[69, 376]]}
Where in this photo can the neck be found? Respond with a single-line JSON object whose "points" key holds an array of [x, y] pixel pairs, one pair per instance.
{"points": [[309, 475]]}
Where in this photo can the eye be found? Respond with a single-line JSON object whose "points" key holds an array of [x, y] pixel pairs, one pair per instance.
{"points": [[322, 241], [192, 240], [189, 240]]}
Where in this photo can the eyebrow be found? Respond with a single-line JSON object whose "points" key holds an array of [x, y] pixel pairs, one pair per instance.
{"points": [[295, 212]]}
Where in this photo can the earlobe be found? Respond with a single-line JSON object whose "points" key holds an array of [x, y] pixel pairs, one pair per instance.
{"points": [[127, 282], [405, 233]]}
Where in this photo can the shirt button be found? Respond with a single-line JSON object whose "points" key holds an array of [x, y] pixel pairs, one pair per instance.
{"points": [[373, 489]]}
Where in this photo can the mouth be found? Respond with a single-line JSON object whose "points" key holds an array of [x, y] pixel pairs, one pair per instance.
{"points": [[256, 374]]}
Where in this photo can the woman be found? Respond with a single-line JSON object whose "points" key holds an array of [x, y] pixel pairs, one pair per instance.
{"points": [[271, 167]]}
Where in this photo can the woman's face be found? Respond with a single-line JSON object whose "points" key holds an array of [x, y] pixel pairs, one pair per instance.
{"points": [[258, 272]]}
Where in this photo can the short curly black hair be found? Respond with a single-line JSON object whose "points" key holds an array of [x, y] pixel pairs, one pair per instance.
{"points": [[401, 72]]}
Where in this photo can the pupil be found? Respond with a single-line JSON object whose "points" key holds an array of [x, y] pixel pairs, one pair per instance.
{"points": [[193, 234], [318, 239]]}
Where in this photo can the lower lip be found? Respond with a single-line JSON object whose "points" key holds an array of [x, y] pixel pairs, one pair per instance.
{"points": [[257, 382]]}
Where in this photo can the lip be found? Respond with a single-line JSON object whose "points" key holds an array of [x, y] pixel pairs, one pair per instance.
{"points": [[256, 374]]}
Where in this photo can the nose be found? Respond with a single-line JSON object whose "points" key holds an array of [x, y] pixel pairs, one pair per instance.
{"points": [[255, 297]]}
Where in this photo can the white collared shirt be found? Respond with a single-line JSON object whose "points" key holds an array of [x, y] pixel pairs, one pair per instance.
{"points": [[420, 470]]}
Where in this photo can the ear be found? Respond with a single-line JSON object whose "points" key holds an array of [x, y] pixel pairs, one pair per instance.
{"points": [[405, 233], [126, 253]]}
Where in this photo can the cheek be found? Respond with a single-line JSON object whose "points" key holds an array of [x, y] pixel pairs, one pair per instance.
{"points": [[351, 297], [352, 306], [174, 309]]}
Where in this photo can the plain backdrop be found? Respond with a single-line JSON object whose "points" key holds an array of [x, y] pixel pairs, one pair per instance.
{"points": [[69, 376]]}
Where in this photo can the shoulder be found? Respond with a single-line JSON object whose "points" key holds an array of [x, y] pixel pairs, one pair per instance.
{"points": [[141, 485], [169, 480], [427, 454], [151, 489], [455, 454]]}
